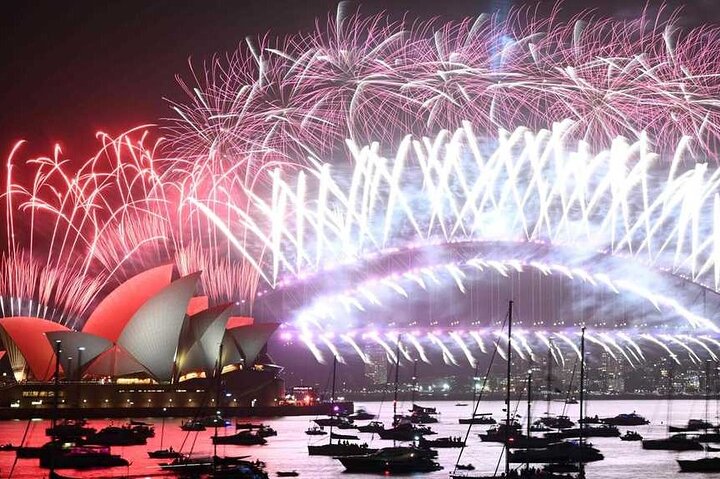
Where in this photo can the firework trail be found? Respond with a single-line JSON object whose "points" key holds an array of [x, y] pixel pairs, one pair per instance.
{"points": [[590, 134], [366, 78]]}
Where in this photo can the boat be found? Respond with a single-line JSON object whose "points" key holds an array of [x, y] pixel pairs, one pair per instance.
{"points": [[421, 414], [528, 442], [631, 419], [501, 432], [571, 401], [392, 460], [557, 422], [537, 426], [340, 449], [692, 425], [287, 473], [141, 428], [265, 431], [361, 415], [238, 470], [676, 442], [461, 404], [479, 418], [422, 418], [343, 437], [262, 429], [604, 430], [373, 426], [315, 431], [80, 457], [561, 467], [58, 454], [168, 453], [565, 452], [192, 425], [336, 449], [247, 425], [591, 420], [242, 438], [631, 436], [441, 442], [396, 460], [335, 421], [188, 466], [405, 431], [70, 429], [506, 431], [118, 436], [214, 421], [422, 409], [712, 449], [705, 464], [572, 451], [163, 453]]}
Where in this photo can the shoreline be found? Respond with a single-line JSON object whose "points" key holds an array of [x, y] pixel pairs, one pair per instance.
{"points": [[321, 409]]}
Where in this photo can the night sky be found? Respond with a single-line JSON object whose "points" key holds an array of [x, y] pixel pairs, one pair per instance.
{"points": [[75, 67], [72, 68]]}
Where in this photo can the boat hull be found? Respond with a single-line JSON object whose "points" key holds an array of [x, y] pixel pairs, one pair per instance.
{"points": [[706, 464]]}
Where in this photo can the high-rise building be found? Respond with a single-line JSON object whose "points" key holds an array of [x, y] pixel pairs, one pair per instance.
{"points": [[377, 371]]}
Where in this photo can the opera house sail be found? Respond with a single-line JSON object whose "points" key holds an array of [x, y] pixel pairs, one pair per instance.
{"points": [[149, 344]]}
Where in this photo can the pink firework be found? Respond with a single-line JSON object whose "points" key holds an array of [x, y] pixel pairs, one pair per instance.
{"points": [[369, 79], [75, 230]]}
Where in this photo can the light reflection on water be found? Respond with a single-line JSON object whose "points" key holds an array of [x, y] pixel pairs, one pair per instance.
{"points": [[288, 451]]}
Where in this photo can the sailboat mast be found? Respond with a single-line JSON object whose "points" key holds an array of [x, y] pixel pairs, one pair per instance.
{"points": [[548, 397], [218, 382], [707, 391], [529, 407], [529, 401], [414, 384], [397, 377], [162, 428], [507, 391], [582, 400], [56, 392], [332, 395]]}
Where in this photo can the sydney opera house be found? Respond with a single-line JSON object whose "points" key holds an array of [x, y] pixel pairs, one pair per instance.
{"points": [[150, 343]]}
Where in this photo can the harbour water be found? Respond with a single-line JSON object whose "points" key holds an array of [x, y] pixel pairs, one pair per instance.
{"points": [[288, 450]]}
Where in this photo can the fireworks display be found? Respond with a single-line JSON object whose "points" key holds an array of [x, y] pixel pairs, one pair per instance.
{"points": [[358, 168]]}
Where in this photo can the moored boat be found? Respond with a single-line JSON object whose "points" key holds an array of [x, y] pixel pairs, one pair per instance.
{"points": [[80, 457], [691, 426], [373, 426], [361, 415], [631, 436], [70, 429], [587, 431], [242, 438], [315, 431], [478, 418], [441, 442], [192, 425], [676, 442], [631, 419], [118, 436], [392, 460], [705, 464], [168, 453], [558, 452], [340, 449]]}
